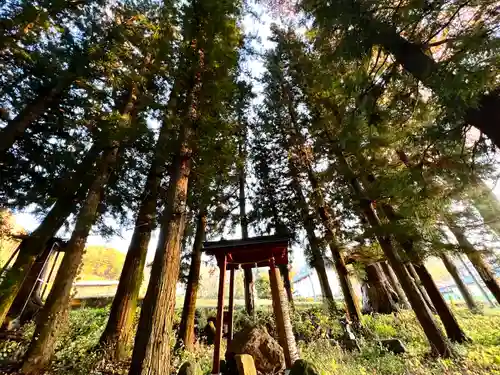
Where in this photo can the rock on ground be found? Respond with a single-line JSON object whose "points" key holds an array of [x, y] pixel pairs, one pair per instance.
{"points": [[189, 368], [393, 345], [302, 367], [267, 354]]}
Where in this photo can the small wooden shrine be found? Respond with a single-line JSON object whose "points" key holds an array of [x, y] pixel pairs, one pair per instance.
{"points": [[265, 251]]}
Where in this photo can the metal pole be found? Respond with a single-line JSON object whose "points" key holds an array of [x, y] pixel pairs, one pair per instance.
{"points": [[37, 279], [50, 273]]}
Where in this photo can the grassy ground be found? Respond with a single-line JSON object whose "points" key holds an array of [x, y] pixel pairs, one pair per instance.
{"points": [[75, 353]]}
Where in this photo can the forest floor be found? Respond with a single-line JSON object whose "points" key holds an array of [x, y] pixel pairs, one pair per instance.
{"points": [[76, 352]]}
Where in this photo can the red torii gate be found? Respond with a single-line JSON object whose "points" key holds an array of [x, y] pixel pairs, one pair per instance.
{"points": [[264, 251]]}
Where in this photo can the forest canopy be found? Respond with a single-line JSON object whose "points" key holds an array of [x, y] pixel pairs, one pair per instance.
{"points": [[364, 131]]}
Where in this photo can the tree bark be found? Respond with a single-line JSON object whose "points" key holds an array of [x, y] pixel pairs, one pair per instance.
{"points": [[485, 272], [453, 271], [392, 278], [118, 332], [418, 283], [406, 243], [186, 327], [247, 273], [326, 290], [453, 330], [34, 245], [298, 141], [350, 297], [53, 317], [485, 115], [249, 291], [383, 300], [439, 343], [477, 260], [151, 354], [317, 255], [348, 292], [18, 125], [285, 274], [477, 282]]}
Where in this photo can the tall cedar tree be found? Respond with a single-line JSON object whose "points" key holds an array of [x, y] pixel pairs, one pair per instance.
{"points": [[438, 342], [55, 312], [367, 24], [215, 178], [118, 332], [208, 58], [59, 195]]}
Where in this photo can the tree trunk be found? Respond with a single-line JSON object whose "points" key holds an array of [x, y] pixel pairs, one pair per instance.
{"points": [[317, 255], [450, 323], [296, 140], [477, 260], [485, 116], [487, 204], [53, 317], [326, 290], [350, 297], [151, 354], [186, 327], [477, 282], [418, 283], [249, 291], [118, 332], [34, 245], [285, 273], [18, 125], [453, 271], [392, 278], [485, 272], [383, 299], [247, 273], [437, 340]]}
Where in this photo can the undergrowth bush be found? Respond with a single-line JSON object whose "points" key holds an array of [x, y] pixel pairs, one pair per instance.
{"points": [[77, 351]]}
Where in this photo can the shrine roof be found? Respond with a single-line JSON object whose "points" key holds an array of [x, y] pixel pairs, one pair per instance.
{"points": [[250, 251]]}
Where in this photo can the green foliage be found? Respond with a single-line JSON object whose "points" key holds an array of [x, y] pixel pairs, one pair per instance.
{"points": [[101, 263], [263, 286], [77, 353]]}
